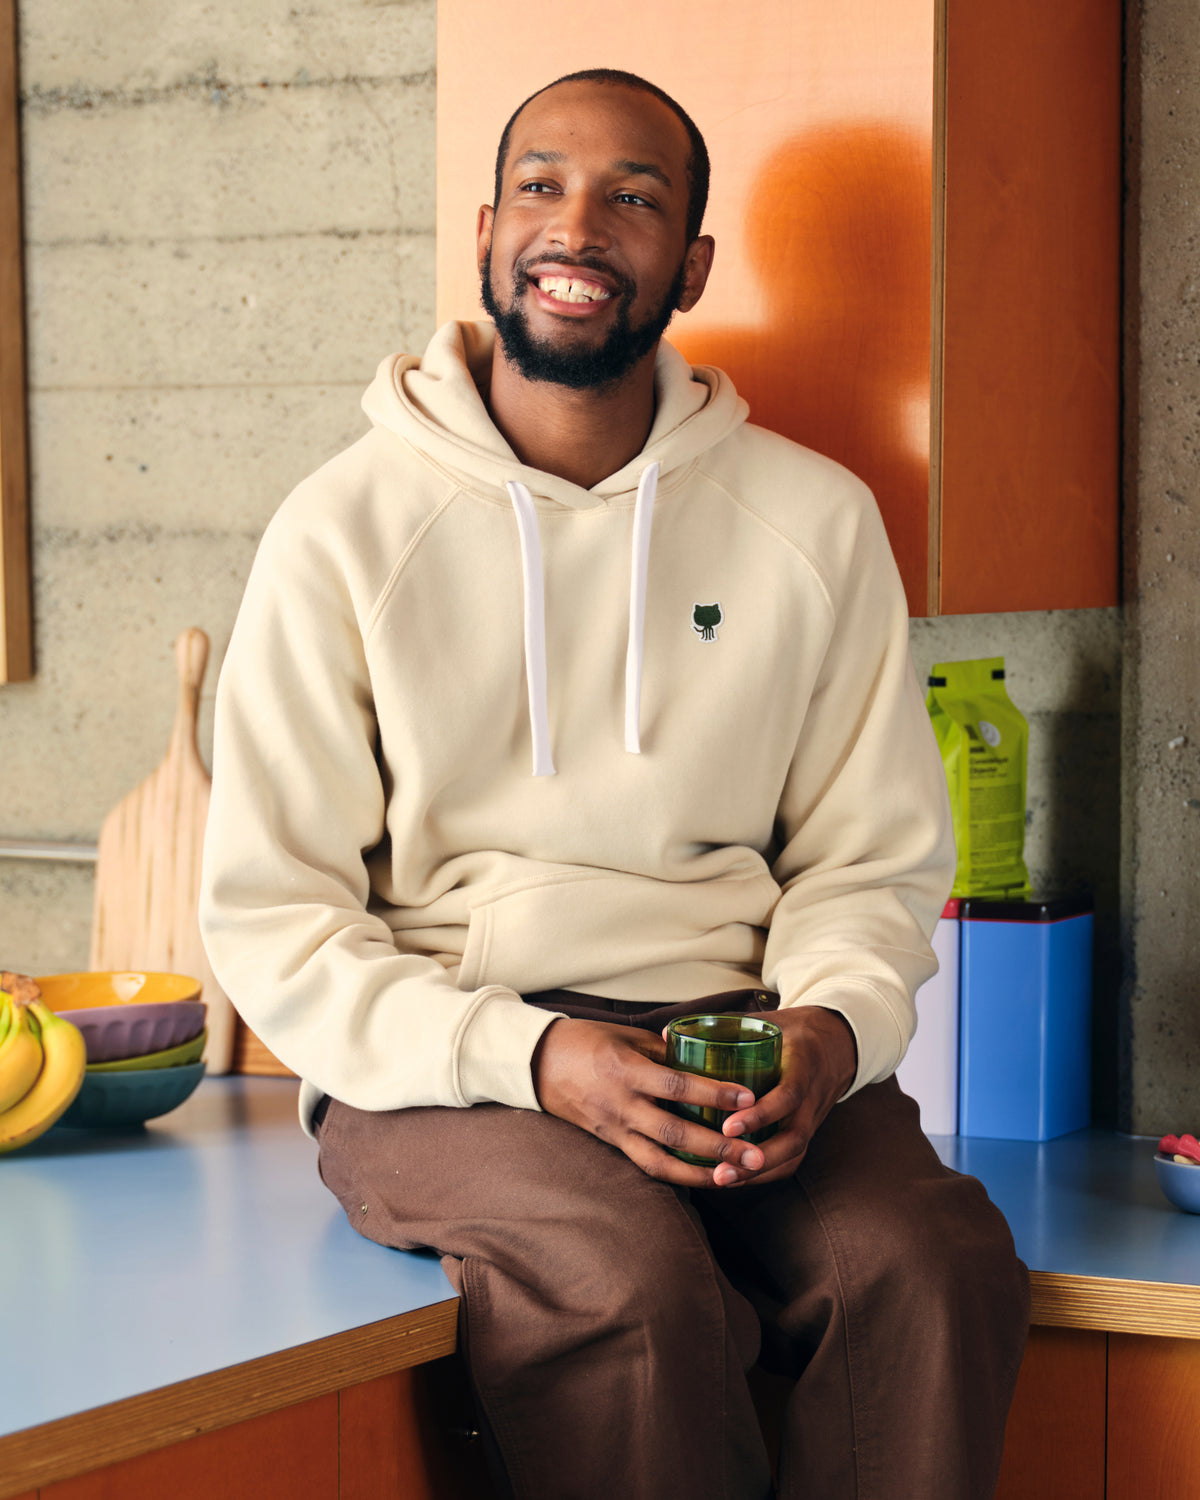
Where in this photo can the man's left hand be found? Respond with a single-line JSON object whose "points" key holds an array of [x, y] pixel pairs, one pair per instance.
{"points": [[820, 1060]]}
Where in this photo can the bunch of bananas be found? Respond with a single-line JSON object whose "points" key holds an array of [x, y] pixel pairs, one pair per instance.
{"points": [[42, 1061]]}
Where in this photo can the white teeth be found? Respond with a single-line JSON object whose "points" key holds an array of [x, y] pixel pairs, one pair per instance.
{"points": [[564, 289]]}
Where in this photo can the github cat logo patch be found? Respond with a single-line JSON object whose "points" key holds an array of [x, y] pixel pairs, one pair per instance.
{"points": [[705, 620]]}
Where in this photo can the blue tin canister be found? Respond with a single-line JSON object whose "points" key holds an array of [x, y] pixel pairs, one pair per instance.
{"points": [[1026, 1018]]}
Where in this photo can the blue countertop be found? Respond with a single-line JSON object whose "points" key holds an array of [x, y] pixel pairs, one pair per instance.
{"points": [[1086, 1204], [133, 1260]]}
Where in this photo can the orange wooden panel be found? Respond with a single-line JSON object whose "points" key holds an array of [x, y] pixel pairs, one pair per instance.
{"points": [[1153, 1418], [1054, 1443], [397, 1438], [1032, 305], [819, 122], [379, 1441], [287, 1455]]}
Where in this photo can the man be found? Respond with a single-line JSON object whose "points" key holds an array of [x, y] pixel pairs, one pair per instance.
{"points": [[562, 703]]}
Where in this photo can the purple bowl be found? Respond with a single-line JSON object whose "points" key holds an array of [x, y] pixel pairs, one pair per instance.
{"points": [[112, 1032]]}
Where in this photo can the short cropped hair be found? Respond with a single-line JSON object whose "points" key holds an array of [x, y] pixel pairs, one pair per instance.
{"points": [[697, 166]]}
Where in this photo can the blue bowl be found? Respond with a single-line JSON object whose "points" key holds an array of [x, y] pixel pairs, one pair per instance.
{"points": [[120, 1100], [1179, 1182]]}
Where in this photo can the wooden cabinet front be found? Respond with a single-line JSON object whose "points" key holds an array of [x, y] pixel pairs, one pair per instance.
{"points": [[1153, 1431], [1026, 505], [1054, 1443], [286, 1455]]}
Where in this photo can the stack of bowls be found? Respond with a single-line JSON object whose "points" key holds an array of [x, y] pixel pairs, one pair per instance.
{"points": [[145, 1037]]}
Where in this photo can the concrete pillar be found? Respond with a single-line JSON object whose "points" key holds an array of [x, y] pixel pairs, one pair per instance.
{"points": [[1160, 1014]]}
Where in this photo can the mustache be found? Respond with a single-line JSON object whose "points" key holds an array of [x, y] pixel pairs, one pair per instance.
{"points": [[624, 285]]}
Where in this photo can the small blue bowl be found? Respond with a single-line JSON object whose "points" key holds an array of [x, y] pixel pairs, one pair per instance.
{"points": [[120, 1100], [1179, 1182]]}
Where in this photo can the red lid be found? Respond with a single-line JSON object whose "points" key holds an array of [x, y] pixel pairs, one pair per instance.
{"points": [[951, 908]]}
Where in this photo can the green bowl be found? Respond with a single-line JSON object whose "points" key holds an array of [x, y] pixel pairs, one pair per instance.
{"points": [[131, 1098], [169, 1057]]}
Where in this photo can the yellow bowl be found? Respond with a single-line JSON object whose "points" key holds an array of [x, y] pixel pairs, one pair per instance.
{"points": [[86, 991]]}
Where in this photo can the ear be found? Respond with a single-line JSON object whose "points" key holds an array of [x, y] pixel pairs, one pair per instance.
{"points": [[697, 264], [483, 233]]}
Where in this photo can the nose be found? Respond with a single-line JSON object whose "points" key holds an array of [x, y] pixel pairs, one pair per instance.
{"points": [[580, 223]]}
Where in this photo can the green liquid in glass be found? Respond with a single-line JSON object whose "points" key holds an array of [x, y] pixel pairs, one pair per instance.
{"points": [[739, 1049]]}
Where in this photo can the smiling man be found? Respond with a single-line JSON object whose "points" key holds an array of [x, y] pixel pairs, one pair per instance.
{"points": [[564, 703]]}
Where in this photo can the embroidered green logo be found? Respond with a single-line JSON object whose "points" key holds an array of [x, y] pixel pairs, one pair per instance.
{"points": [[705, 619]]}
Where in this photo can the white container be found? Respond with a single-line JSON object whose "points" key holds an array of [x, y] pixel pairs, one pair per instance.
{"points": [[929, 1072]]}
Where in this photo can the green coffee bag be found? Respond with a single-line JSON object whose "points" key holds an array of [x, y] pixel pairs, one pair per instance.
{"points": [[984, 741]]}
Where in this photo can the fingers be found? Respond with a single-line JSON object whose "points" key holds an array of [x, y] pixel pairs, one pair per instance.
{"points": [[726, 1176], [819, 1062], [671, 1132], [663, 1167], [659, 1082], [649, 1134], [781, 1155], [785, 1099], [605, 1080], [796, 1116], [652, 1150]]}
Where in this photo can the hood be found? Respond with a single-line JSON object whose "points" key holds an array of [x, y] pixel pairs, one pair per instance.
{"points": [[436, 403]]}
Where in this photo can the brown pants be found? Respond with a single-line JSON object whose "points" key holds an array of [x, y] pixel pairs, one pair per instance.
{"points": [[609, 1320]]}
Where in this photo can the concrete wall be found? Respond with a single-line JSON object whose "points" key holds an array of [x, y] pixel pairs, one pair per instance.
{"points": [[229, 218], [229, 221], [1160, 1034]]}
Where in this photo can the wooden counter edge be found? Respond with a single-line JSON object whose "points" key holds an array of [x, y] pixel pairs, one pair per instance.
{"points": [[123, 1429], [141, 1424], [1160, 1309]]}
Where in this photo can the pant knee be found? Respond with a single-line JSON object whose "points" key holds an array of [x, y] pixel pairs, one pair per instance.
{"points": [[951, 1270]]}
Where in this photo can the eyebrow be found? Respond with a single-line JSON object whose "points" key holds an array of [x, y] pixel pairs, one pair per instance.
{"points": [[643, 169], [551, 158], [625, 166]]}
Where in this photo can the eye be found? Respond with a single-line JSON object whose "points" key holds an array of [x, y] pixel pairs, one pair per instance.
{"points": [[635, 198], [535, 187]]}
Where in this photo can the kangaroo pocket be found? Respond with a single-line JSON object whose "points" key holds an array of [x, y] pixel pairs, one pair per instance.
{"points": [[584, 928]]}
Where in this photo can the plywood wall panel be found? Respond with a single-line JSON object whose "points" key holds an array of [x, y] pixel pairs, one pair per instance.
{"points": [[1030, 393]]}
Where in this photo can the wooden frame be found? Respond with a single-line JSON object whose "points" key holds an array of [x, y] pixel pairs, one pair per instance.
{"points": [[16, 617]]}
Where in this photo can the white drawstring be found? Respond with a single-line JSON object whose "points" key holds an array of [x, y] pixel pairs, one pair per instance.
{"points": [[639, 565], [535, 626], [535, 616]]}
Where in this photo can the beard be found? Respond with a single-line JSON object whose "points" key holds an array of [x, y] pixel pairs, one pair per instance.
{"points": [[580, 369]]}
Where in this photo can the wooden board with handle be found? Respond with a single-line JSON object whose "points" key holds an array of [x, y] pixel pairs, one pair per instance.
{"points": [[148, 865]]}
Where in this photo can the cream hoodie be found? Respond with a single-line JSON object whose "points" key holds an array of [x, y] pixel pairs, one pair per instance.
{"points": [[480, 733]]}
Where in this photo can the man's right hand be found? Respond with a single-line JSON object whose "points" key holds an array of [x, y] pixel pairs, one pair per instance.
{"points": [[609, 1080]]}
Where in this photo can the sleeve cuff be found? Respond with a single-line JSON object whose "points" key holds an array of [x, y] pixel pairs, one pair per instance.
{"points": [[496, 1050], [877, 1033]]}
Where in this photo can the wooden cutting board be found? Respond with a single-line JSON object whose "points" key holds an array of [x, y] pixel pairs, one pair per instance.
{"points": [[148, 865]]}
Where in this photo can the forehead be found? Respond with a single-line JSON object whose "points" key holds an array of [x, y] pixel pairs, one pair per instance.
{"points": [[624, 123]]}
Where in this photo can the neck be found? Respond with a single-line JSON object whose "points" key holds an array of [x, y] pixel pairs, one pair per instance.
{"points": [[581, 436]]}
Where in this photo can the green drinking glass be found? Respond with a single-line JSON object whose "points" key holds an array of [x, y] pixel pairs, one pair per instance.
{"points": [[738, 1049]]}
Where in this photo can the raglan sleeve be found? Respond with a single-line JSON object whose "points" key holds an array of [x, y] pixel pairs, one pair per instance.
{"points": [[866, 847], [298, 805]]}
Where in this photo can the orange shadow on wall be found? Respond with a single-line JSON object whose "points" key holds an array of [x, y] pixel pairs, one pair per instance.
{"points": [[838, 235]]}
